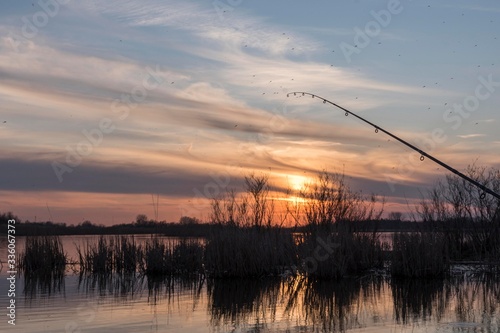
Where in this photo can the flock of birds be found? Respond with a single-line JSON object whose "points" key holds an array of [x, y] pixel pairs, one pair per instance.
{"points": [[436, 83]]}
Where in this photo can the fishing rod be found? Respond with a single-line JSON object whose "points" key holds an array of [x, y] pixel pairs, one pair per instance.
{"points": [[422, 153]]}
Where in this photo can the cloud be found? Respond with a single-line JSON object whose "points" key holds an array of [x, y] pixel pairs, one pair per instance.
{"points": [[470, 136], [18, 174], [234, 29], [223, 101]]}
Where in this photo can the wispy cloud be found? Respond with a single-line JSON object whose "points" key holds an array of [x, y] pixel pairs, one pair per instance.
{"points": [[203, 21], [470, 136], [223, 100]]}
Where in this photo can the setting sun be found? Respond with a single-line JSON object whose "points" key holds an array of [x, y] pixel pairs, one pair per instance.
{"points": [[297, 183]]}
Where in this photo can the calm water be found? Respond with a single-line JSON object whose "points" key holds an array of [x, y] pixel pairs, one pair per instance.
{"points": [[134, 304]]}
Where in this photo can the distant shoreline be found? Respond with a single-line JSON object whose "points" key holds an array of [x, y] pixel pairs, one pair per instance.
{"points": [[176, 229]]}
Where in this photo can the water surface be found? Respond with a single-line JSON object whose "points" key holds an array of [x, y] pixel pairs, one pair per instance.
{"points": [[115, 303]]}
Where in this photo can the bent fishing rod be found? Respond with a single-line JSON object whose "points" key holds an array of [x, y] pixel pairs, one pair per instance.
{"points": [[422, 153]]}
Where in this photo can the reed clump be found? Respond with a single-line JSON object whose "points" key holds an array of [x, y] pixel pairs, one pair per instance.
{"points": [[244, 242], [419, 254], [96, 258], [340, 253], [249, 252], [482, 239], [161, 257], [188, 257], [43, 255], [126, 255]]}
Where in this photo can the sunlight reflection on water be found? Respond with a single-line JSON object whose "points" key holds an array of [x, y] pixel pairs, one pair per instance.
{"points": [[267, 305]]}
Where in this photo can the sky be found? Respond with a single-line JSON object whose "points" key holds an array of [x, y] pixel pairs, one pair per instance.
{"points": [[111, 109]]}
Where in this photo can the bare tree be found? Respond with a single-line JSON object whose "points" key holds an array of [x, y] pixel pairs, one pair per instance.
{"points": [[262, 208], [456, 199], [330, 199]]}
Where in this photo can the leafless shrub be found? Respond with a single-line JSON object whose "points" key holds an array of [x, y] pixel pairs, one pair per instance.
{"points": [[330, 199], [469, 218]]}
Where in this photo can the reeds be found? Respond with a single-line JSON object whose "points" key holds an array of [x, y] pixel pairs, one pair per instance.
{"points": [[43, 255], [161, 257], [188, 257], [43, 264], [419, 254], [96, 257], [327, 253], [483, 241], [126, 255], [249, 252], [122, 255]]}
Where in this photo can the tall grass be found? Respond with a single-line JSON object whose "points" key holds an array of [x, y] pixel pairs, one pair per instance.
{"points": [[335, 253], [237, 301], [249, 252], [43, 255], [96, 258], [126, 255], [188, 256], [482, 239], [419, 254], [157, 256], [161, 257], [249, 245], [43, 263]]}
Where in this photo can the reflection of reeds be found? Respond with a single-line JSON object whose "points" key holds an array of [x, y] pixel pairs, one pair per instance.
{"points": [[249, 252], [166, 287], [415, 299], [324, 306], [419, 254], [43, 284], [339, 306], [123, 286], [236, 301], [479, 292]]}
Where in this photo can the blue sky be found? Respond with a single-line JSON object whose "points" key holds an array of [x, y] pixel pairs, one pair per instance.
{"points": [[107, 102]]}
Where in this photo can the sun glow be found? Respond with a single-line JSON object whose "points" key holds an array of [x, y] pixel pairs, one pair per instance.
{"points": [[296, 200], [297, 183]]}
